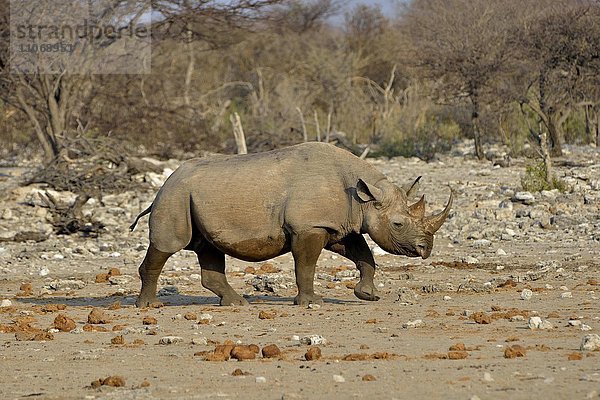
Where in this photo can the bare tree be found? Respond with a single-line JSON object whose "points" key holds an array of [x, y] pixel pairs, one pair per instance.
{"points": [[50, 91], [561, 47], [463, 46]]}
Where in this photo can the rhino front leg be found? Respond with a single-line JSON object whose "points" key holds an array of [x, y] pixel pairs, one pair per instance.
{"points": [[306, 248], [212, 262], [354, 247], [149, 272]]}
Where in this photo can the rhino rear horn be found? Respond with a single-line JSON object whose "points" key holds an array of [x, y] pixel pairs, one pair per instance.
{"points": [[434, 222], [417, 210], [412, 189]]}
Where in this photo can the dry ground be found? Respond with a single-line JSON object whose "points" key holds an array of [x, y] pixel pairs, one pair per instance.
{"points": [[468, 292]]}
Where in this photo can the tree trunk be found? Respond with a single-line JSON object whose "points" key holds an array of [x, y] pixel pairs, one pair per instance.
{"points": [[475, 126], [546, 157], [548, 116], [48, 142], [555, 137], [189, 71]]}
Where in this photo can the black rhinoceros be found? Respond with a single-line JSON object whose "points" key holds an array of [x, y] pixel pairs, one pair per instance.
{"points": [[303, 199]]}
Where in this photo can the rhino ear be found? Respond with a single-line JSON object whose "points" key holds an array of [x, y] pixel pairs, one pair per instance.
{"points": [[367, 192]]}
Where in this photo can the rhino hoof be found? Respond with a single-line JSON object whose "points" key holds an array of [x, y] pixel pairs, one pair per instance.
{"points": [[304, 300], [152, 302], [368, 294], [233, 300]]}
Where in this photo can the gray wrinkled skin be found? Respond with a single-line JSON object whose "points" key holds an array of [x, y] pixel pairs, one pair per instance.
{"points": [[302, 199]]}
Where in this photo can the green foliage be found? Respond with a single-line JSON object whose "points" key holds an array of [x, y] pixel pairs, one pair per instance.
{"points": [[435, 135], [535, 180]]}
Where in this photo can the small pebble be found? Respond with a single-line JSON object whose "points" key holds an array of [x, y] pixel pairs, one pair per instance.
{"points": [[261, 379], [200, 341], [590, 342], [413, 324], [5, 303], [339, 379], [538, 323], [313, 353], [170, 340], [566, 295], [526, 294], [312, 340]]}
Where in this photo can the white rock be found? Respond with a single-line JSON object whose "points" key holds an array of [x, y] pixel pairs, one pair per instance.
{"points": [[339, 379], [524, 197], [202, 341], [205, 317], [5, 303], [115, 254], [574, 322], [170, 340], [120, 279], [566, 295], [65, 284], [470, 260], [590, 342], [413, 324], [313, 306], [500, 252], [43, 271], [516, 318], [585, 327], [481, 243], [526, 294], [313, 340], [447, 298], [538, 323], [487, 377], [261, 379]]}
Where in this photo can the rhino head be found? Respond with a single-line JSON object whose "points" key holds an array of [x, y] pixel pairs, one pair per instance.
{"points": [[396, 226]]}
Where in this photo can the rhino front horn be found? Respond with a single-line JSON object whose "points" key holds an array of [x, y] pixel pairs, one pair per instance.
{"points": [[434, 222]]}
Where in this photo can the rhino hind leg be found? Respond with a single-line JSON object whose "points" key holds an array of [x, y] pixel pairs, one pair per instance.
{"points": [[306, 248], [149, 272], [212, 263], [355, 248]]}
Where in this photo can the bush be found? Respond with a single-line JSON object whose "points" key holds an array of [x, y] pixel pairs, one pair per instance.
{"points": [[433, 136], [535, 180]]}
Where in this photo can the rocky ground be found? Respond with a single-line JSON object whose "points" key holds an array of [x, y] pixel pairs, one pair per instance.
{"points": [[507, 306]]}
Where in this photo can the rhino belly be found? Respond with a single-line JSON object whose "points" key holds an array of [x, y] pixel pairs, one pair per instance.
{"points": [[252, 247]]}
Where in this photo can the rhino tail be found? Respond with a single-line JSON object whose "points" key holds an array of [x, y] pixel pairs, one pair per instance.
{"points": [[145, 212]]}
